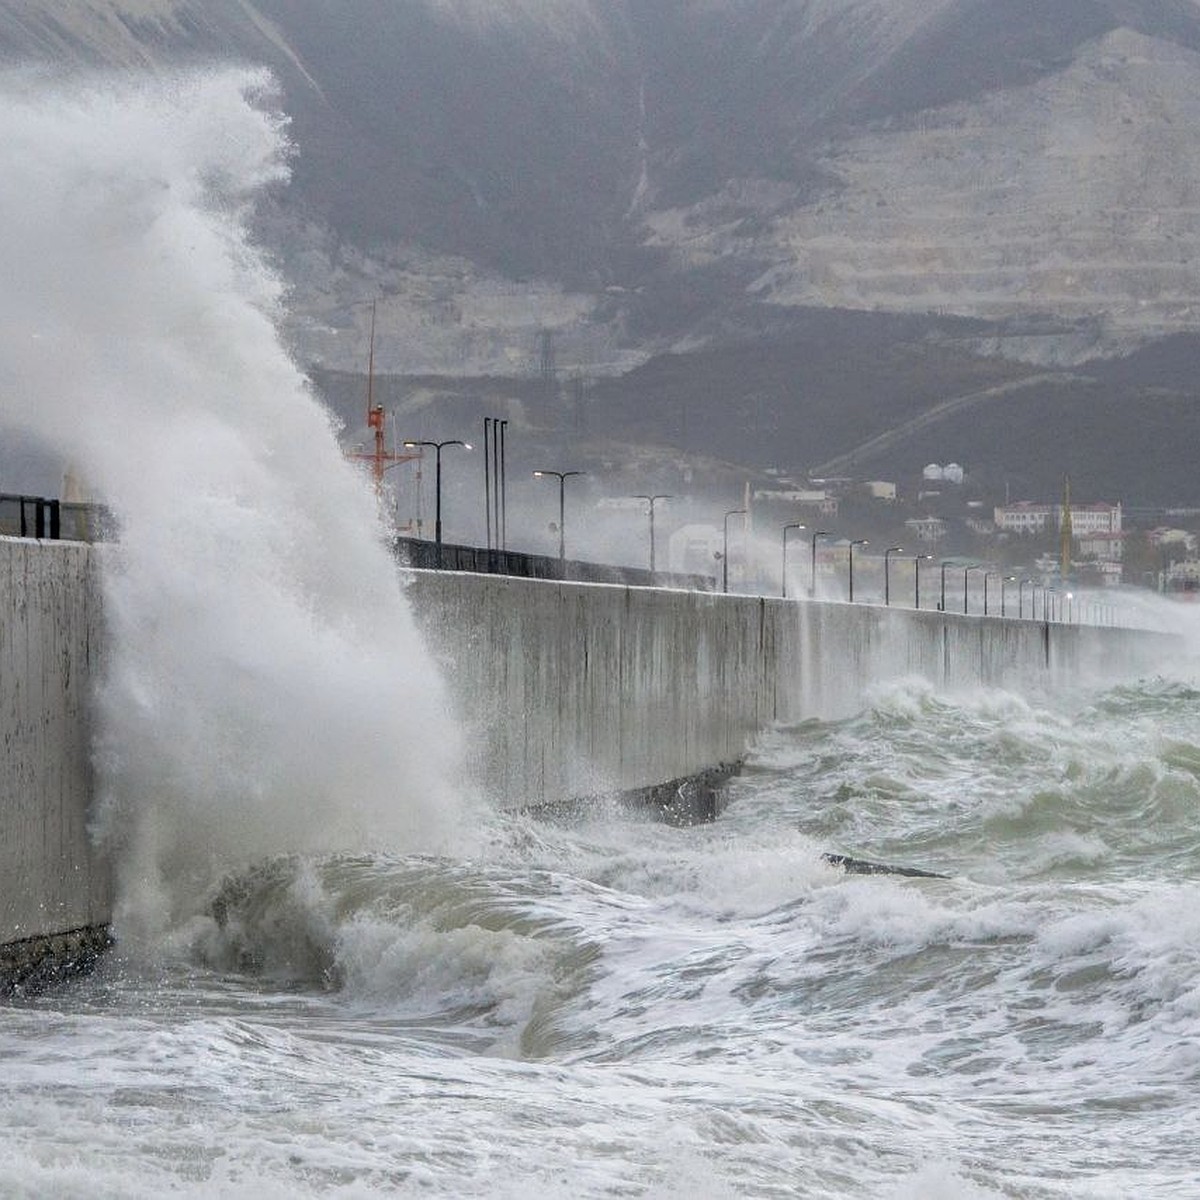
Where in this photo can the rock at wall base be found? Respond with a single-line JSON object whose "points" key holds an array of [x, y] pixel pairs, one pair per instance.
{"points": [[40, 962], [691, 800]]}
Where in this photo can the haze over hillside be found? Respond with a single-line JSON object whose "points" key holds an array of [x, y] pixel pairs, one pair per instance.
{"points": [[694, 177]]}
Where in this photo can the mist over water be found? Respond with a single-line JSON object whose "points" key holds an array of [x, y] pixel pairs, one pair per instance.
{"points": [[266, 691]]}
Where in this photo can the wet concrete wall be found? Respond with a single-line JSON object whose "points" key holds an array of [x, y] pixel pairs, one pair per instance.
{"points": [[574, 689], [567, 690], [51, 881]]}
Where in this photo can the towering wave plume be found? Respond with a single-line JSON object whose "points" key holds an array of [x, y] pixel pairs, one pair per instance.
{"points": [[265, 690]]}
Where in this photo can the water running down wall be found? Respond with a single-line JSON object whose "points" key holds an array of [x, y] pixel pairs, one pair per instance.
{"points": [[572, 690], [564, 690]]}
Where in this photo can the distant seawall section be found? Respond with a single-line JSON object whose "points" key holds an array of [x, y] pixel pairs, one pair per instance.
{"points": [[55, 891], [571, 690]]}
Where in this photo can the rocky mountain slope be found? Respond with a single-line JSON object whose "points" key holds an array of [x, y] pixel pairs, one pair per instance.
{"points": [[699, 176]]}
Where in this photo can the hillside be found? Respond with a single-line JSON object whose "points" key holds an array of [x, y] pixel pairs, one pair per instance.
{"points": [[794, 221]]}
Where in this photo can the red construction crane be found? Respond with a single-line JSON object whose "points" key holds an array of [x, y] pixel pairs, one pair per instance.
{"points": [[380, 458]]}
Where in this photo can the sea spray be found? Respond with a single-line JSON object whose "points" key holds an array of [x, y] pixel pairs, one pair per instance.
{"points": [[265, 689]]}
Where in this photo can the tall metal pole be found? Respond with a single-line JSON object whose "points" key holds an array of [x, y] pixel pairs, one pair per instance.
{"points": [[437, 448], [562, 519], [562, 477], [783, 573], [503, 489], [856, 542], [887, 562], [651, 501], [487, 477], [812, 573], [733, 512], [966, 578], [496, 479], [942, 601], [437, 511], [917, 578]]}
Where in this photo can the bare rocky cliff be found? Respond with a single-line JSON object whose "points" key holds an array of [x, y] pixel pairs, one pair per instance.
{"points": [[678, 176]]}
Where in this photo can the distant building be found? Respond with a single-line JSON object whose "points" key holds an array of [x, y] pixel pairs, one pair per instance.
{"points": [[879, 489], [1182, 580], [1103, 546], [1026, 517], [819, 500], [814, 500], [1165, 538], [950, 473], [927, 529]]}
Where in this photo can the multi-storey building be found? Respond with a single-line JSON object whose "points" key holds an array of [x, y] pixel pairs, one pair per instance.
{"points": [[1025, 517]]}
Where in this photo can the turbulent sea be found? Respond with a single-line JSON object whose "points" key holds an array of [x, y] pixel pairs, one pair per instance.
{"points": [[613, 1006], [338, 973]]}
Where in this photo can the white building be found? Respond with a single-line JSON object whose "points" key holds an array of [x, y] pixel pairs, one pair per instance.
{"points": [[927, 529], [950, 473], [812, 499], [1024, 517], [1106, 546], [880, 489], [1180, 539]]}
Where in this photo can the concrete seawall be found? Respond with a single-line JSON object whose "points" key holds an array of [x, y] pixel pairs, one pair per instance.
{"points": [[567, 690], [55, 892], [570, 690]]}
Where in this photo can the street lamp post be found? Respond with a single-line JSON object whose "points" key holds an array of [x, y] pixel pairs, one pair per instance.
{"points": [[987, 575], [502, 481], [812, 574], [793, 525], [487, 477], [966, 583], [437, 447], [942, 601], [917, 577], [733, 512], [856, 542], [1005, 580], [887, 562], [562, 477], [650, 500]]}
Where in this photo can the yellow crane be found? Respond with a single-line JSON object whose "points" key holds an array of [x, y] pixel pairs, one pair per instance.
{"points": [[1064, 532]]}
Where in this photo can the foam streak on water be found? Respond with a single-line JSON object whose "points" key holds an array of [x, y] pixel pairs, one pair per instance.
{"points": [[266, 690]]}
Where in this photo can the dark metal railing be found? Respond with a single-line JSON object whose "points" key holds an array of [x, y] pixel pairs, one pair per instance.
{"points": [[424, 555], [53, 520]]}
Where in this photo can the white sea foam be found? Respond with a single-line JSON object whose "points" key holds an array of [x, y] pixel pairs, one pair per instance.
{"points": [[265, 688]]}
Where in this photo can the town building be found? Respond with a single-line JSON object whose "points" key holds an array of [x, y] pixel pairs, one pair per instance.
{"points": [[1025, 517], [927, 529]]}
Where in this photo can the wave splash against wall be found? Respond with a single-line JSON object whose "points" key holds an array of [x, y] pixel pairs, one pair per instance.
{"points": [[265, 689]]}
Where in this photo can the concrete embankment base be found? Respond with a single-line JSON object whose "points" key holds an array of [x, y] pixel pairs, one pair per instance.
{"points": [[691, 800], [40, 962]]}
